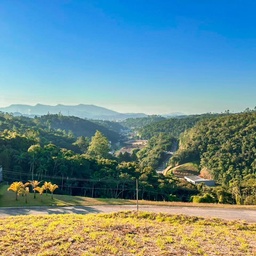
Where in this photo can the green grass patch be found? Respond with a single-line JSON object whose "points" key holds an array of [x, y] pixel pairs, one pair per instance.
{"points": [[3, 189], [124, 233], [7, 199]]}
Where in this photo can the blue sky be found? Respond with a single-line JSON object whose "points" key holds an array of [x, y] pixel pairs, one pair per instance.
{"points": [[148, 56]]}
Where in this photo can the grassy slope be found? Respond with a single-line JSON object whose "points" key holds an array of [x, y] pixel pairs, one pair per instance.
{"points": [[124, 234], [183, 170]]}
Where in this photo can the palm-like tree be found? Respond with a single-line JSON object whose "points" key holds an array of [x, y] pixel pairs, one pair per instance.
{"points": [[16, 187], [47, 185], [52, 188], [40, 190], [34, 184], [25, 191]]}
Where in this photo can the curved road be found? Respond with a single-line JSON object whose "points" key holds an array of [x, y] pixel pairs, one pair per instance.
{"points": [[207, 212]]}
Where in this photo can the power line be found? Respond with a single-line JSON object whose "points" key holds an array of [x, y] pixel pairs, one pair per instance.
{"points": [[112, 180]]}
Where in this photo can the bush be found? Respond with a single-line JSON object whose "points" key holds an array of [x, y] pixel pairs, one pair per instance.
{"points": [[206, 198]]}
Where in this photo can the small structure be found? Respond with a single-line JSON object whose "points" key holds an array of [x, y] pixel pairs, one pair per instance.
{"points": [[197, 180]]}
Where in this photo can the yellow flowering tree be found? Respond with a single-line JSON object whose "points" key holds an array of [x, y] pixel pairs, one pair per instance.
{"points": [[34, 184], [52, 188], [16, 187], [46, 186], [40, 190], [25, 191]]}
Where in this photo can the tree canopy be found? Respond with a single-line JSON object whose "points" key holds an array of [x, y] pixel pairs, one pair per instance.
{"points": [[99, 146]]}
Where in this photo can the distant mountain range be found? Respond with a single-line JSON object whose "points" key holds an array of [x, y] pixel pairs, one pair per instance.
{"points": [[81, 110]]}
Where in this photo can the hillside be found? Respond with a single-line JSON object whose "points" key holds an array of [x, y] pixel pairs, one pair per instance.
{"points": [[138, 123], [79, 127], [60, 130], [172, 126], [226, 147]]}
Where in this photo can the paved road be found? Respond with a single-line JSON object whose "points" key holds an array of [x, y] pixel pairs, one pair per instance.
{"points": [[227, 214]]}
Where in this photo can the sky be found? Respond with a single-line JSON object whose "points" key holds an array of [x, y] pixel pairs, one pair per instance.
{"points": [[142, 56]]}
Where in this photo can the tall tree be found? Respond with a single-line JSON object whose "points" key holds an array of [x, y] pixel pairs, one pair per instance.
{"points": [[33, 152], [99, 146]]}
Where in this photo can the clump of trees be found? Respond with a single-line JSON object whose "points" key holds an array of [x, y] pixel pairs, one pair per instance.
{"points": [[20, 188]]}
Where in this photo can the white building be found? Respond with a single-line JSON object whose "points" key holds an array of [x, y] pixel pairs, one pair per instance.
{"points": [[197, 180]]}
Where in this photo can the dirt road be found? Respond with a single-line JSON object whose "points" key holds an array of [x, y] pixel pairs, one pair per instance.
{"points": [[225, 213]]}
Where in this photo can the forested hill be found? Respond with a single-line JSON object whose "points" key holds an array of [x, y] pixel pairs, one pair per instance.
{"points": [[225, 145], [173, 126], [137, 123], [58, 129], [77, 126]]}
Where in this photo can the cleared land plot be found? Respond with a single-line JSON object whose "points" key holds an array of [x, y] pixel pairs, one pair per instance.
{"points": [[183, 170], [124, 233]]}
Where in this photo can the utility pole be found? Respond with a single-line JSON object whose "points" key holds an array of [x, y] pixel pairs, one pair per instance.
{"points": [[137, 194]]}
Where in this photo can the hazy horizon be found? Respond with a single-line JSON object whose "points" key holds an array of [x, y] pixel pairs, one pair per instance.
{"points": [[152, 57], [116, 110]]}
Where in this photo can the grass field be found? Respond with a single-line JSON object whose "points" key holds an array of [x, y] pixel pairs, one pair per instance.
{"points": [[7, 199], [125, 233]]}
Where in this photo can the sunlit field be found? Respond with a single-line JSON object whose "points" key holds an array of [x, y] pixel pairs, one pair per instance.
{"points": [[7, 199], [125, 233]]}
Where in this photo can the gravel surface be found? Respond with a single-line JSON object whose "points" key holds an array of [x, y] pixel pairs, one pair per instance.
{"points": [[227, 214]]}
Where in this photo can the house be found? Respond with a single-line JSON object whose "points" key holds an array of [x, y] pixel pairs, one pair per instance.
{"points": [[197, 180]]}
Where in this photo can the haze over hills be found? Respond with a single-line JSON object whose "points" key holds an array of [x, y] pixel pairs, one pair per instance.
{"points": [[81, 110]]}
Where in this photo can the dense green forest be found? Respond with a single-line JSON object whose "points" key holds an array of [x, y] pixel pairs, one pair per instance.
{"points": [[78, 155], [153, 154], [171, 126], [138, 123], [79, 127], [225, 146]]}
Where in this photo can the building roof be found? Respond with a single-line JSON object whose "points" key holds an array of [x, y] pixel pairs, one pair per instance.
{"points": [[196, 178]]}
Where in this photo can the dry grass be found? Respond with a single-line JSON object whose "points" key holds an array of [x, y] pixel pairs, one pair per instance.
{"points": [[124, 233]]}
